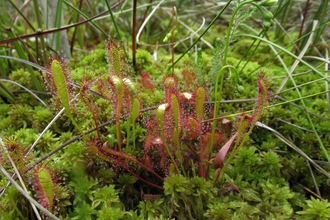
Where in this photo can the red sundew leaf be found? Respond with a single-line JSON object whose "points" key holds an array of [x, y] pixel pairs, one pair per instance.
{"points": [[170, 82], [206, 138], [151, 125], [146, 81], [262, 100], [147, 161], [163, 162], [193, 128], [147, 143], [221, 155], [115, 157], [185, 97], [171, 87], [152, 141], [189, 78]]}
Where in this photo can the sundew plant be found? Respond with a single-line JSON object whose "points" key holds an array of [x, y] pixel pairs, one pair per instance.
{"points": [[164, 110]]}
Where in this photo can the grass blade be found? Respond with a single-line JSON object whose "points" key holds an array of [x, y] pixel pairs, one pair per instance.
{"points": [[22, 55], [294, 147]]}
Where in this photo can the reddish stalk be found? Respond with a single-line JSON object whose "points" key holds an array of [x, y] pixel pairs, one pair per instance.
{"points": [[134, 34], [173, 26], [104, 150]]}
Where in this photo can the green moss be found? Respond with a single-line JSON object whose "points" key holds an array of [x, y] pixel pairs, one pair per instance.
{"points": [[143, 59], [316, 209], [41, 118], [22, 77], [21, 115], [4, 110]]}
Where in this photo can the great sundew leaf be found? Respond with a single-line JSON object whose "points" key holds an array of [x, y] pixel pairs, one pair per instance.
{"points": [[176, 115], [135, 110], [134, 114], [130, 85], [160, 115], [200, 100], [45, 188], [116, 61], [120, 91], [175, 108], [62, 90], [115, 58]]}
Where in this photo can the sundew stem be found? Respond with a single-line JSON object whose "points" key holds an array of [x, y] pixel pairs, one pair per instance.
{"points": [[160, 114]]}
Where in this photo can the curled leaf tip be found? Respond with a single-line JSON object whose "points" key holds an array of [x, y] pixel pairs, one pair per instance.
{"points": [[221, 155]]}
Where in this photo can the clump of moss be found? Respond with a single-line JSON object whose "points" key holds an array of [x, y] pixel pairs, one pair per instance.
{"points": [[22, 77]]}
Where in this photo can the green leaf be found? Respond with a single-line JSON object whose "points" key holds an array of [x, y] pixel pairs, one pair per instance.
{"points": [[175, 108], [62, 90], [160, 112], [22, 54], [129, 84], [120, 91], [135, 110], [58, 22], [200, 100], [46, 189]]}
